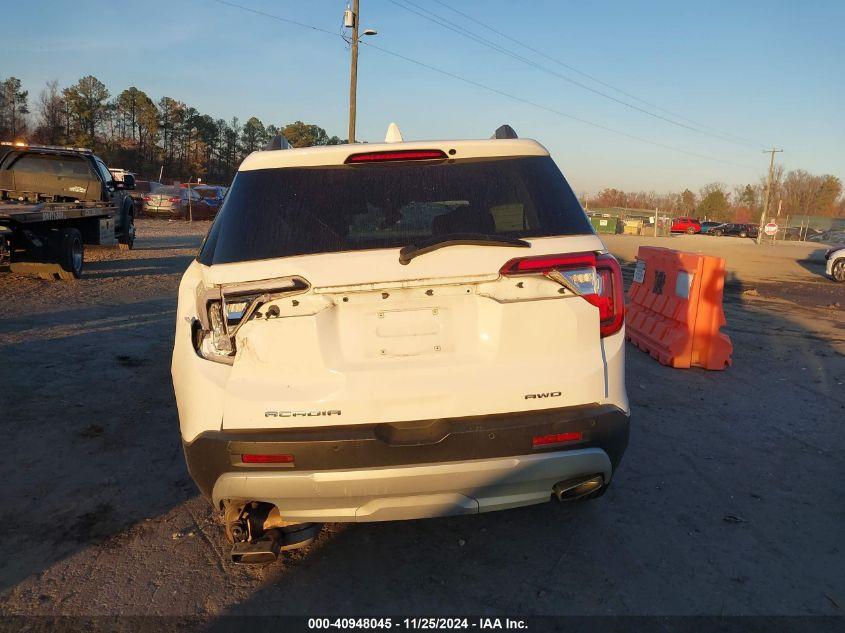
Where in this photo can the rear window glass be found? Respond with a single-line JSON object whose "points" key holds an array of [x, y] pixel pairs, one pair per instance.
{"points": [[272, 213], [54, 165], [169, 191]]}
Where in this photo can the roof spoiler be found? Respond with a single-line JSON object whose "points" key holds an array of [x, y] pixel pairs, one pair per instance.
{"points": [[504, 131], [277, 142]]}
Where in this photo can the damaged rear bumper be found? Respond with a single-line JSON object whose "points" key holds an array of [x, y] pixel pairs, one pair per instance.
{"points": [[410, 469]]}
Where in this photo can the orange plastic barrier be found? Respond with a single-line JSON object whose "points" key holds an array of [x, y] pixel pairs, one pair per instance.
{"points": [[675, 308]]}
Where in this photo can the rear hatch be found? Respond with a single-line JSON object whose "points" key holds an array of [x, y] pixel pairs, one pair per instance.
{"points": [[448, 327]]}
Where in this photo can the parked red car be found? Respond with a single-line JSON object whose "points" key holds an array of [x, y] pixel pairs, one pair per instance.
{"points": [[686, 225]]}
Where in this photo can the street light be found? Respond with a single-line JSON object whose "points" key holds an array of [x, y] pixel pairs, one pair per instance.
{"points": [[350, 20]]}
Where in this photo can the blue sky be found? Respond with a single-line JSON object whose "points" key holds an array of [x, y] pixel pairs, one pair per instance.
{"points": [[772, 72]]}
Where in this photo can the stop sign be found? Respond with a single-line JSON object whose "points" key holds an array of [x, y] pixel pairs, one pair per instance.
{"points": [[770, 229]]}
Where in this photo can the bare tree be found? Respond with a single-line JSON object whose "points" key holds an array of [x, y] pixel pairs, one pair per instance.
{"points": [[799, 192], [806, 194], [51, 115]]}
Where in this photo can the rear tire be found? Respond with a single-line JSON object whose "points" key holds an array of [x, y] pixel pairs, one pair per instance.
{"points": [[691, 231], [717, 233], [126, 240], [838, 271], [70, 254]]}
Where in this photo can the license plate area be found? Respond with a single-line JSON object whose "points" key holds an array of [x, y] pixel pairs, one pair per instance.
{"points": [[409, 332]]}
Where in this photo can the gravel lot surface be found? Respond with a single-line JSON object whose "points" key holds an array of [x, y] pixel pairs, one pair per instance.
{"points": [[730, 499]]}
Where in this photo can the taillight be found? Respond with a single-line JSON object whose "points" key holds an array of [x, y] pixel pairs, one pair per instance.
{"points": [[579, 269], [174, 199], [252, 458], [597, 278], [555, 438], [609, 297], [147, 199], [393, 155]]}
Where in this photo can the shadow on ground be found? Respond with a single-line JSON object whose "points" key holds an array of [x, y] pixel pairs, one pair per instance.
{"points": [[815, 262], [728, 501], [125, 268]]}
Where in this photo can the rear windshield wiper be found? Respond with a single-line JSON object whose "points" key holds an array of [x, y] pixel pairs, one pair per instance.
{"points": [[457, 239]]}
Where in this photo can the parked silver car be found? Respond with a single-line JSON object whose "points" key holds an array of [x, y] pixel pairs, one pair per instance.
{"points": [[173, 201]]}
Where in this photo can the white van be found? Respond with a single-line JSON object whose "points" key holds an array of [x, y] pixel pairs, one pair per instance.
{"points": [[397, 331]]}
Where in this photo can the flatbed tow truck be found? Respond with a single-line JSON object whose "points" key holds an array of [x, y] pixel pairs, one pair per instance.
{"points": [[53, 200]]}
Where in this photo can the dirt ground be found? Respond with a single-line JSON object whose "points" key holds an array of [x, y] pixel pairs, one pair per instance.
{"points": [[730, 498]]}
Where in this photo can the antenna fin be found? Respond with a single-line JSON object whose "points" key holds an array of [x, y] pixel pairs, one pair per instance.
{"points": [[277, 142], [504, 131], [394, 135]]}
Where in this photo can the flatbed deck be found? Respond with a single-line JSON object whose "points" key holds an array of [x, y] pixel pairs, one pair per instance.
{"points": [[31, 213]]}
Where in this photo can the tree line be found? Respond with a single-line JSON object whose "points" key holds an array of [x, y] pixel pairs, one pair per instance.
{"points": [[133, 132], [167, 136], [796, 193]]}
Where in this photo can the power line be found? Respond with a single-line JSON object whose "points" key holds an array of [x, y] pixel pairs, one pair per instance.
{"points": [[552, 110], [489, 88], [452, 26], [274, 17], [593, 77]]}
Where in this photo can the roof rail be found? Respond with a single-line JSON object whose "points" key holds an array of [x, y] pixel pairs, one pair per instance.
{"points": [[277, 142], [504, 131]]}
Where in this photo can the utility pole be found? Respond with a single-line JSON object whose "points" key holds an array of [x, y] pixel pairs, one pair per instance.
{"points": [[772, 151], [353, 72]]}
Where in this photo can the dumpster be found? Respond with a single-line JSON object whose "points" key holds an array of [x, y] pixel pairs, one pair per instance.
{"points": [[606, 224]]}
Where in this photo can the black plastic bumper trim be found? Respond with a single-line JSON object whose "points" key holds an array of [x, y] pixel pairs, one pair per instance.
{"points": [[404, 443]]}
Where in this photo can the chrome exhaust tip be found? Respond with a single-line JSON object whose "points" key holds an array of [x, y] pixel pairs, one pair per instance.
{"points": [[578, 488]]}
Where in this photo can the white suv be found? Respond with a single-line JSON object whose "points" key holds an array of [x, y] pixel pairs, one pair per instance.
{"points": [[397, 331]]}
